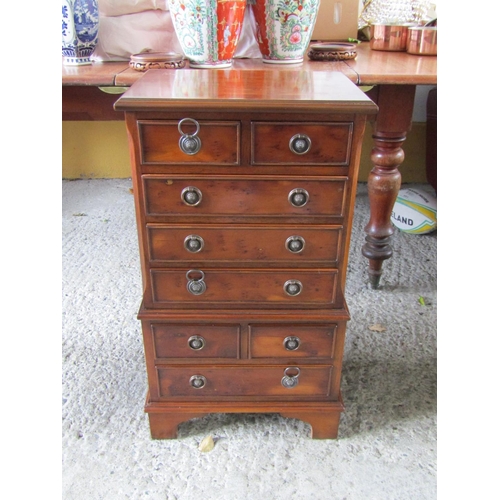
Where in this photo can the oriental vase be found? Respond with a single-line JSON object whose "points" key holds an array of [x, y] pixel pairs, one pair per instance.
{"points": [[208, 30], [80, 25], [283, 28]]}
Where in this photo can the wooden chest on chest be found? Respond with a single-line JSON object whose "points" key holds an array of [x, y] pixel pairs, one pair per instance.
{"points": [[244, 186]]}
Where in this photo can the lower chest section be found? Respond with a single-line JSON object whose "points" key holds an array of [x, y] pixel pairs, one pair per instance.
{"points": [[248, 359]]}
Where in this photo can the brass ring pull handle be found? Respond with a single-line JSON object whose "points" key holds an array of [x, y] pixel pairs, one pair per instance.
{"points": [[292, 287], [189, 143], [191, 196], [291, 343], [298, 197], [295, 244], [300, 144], [197, 381], [194, 243], [291, 377], [196, 343], [195, 284]]}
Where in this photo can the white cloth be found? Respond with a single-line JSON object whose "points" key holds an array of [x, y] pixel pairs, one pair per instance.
{"points": [[247, 44], [124, 7], [124, 35]]}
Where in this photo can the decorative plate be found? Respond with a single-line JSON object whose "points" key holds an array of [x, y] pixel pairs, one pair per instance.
{"points": [[332, 51]]}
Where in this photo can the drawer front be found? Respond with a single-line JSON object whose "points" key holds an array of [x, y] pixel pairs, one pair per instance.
{"points": [[243, 196], [195, 341], [244, 244], [200, 382], [324, 143], [292, 341], [244, 287], [159, 142]]}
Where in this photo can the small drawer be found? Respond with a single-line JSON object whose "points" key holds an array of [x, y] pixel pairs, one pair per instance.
{"points": [[299, 143], [243, 287], [247, 244], [243, 196], [262, 381], [292, 341], [195, 341], [219, 142]]}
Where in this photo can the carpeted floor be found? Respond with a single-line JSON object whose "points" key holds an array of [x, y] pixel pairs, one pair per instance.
{"points": [[387, 439]]}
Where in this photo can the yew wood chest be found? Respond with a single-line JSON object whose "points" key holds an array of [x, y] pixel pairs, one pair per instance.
{"points": [[244, 184]]}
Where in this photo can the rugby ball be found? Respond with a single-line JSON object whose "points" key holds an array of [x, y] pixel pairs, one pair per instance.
{"points": [[415, 211]]}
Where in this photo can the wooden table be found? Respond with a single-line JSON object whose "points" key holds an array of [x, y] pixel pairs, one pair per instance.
{"points": [[393, 75]]}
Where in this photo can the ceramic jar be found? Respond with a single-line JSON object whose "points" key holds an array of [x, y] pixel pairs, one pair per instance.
{"points": [[283, 28], [80, 25], [208, 30]]}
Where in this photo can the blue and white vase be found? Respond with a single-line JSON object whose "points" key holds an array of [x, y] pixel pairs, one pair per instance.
{"points": [[80, 25]]}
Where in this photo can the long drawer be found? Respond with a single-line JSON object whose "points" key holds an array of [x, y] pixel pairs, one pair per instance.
{"points": [[243, 287], [210, 381], [251, 197], [217, 243]]}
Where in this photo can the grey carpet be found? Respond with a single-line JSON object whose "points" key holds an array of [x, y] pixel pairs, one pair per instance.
{"points": [[387, 438]]}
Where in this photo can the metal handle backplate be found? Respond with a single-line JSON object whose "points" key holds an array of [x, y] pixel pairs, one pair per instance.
{"points": [[295, 244], [300, 144], [194, 243], [196, 342], [292, 287], [191, 196], [298, 197], [196, 284], [197, 381], [291, 343], [291, 377], [189, 143]]}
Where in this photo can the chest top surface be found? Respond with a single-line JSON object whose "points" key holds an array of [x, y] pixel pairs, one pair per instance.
{"points": [[290, 90]]}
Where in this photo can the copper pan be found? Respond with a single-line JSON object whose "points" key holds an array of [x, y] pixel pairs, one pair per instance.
{"points": [[422, 41], [391, 37]]}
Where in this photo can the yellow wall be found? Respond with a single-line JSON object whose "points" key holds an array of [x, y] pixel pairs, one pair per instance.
{"points": [[413, 168], [100, 150], [94, 150]]}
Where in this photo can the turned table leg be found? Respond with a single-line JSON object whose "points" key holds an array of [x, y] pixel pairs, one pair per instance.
{"points": [[384, 181]]}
